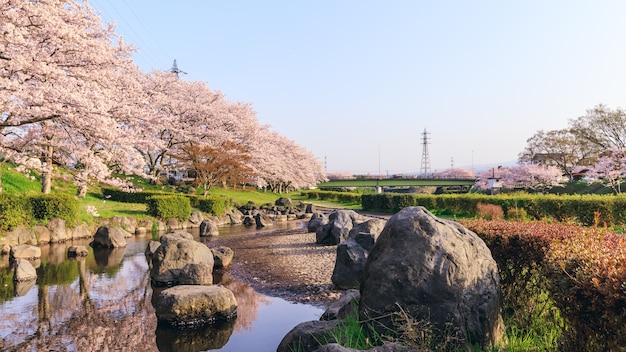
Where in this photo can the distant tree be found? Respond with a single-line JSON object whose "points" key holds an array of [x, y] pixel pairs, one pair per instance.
{"points": [[536, 178], [456, 173], [610, 169], [602, 127], [560, 148]]}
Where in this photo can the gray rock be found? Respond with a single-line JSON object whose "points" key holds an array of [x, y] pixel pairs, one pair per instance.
{"points": [[196, 274], [307, 336], [77, 251], [24, 271], [262, 220], [283, 202], [317, 220], [150, 250], [340, 222], [43, 234], [208, 228], [173, 254], [58, 232], [175, 236], [109, 237], [128, 224], [438, 272], [25, 251], [346, 306], [248, 220], [23, 235], [80, 231], [196, 218], [349, 265], [310, 208], [192, 305], [371, 227], [222, 256]]}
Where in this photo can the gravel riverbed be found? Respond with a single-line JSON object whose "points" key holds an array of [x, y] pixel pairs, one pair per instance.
{"points": [[286, 264]]}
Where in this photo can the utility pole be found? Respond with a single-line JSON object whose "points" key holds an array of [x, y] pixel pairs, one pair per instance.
{"points": [[425, 168]]}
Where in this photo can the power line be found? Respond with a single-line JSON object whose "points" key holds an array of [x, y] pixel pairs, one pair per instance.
{"points": [[144, 50]]}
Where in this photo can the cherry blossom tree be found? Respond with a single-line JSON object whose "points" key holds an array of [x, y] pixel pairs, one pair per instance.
{"points": [[610, 169], [282, 165], [456, 173], [535, 178], [59, 74]]}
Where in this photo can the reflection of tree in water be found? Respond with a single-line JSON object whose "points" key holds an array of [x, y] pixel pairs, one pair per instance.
{"points": [[248, 302], [68, 317]]}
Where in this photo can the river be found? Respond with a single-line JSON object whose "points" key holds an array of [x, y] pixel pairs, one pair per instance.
{"points": [[104, 303]]}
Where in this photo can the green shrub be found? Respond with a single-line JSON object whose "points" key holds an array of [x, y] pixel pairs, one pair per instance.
{"points": [[14, 211], [214, 205], [169, 207], [49, 206]]}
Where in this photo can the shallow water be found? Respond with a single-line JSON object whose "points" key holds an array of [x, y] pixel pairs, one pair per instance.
{"points": [[104, 302]]}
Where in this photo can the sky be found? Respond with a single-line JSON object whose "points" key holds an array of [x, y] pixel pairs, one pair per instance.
{"points": [[358, 82]]}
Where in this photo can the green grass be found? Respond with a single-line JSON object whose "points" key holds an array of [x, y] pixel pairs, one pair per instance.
{"points": [[16, 182]]}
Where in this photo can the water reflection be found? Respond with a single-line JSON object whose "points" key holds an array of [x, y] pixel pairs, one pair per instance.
{"points": [[103, 302]]}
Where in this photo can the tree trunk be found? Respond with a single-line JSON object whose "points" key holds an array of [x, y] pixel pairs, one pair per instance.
{"points": [[46, 176], [46, 182], [81, 192]]}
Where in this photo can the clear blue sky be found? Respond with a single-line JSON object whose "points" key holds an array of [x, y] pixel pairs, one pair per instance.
{"points": [[357, 82]]}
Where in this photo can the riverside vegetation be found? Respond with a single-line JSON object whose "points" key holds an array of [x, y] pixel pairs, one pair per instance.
{"points": [[563, 284]]}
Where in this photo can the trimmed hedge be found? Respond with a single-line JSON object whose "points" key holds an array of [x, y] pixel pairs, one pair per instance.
{"points": [[346, 197], [169, 207], [49, 206], [214, 205], [562, 208], [118, 195]]}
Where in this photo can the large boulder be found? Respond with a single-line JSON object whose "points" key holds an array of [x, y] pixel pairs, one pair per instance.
{"points": [[175, 236], [193, 305], [173, 254], [24, 271], [109, 237], [208, 228], [23, 235], [58, 231], [80, 231], [435, 271], [340, 222], [196, 274], [25, 251]]}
